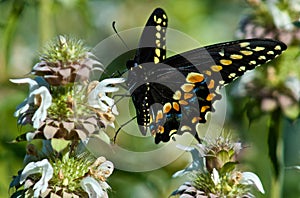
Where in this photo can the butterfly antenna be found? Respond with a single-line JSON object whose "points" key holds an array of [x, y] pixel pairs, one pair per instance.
{"points": [[116, 134], [115, 29]]}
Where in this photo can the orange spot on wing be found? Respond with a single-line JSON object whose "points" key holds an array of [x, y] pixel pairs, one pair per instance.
{"points": [[187, 96], [194, 77], [159, 115], [211, 84], [204, 108], [216, 68], [176, 106], [167, 107], [210, 97], [183, 102], [187, 87]]}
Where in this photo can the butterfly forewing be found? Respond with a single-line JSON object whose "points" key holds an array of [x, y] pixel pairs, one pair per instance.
{"points": [[230, 59], [151, 49], [152, 46]]}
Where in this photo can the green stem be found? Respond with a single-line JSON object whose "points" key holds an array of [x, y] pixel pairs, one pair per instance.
{"points": [[46, 21], [8, 35], [275, 141]]}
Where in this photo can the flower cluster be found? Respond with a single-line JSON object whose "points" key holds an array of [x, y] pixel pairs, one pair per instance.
{"points": [[277, 87], [275, 19], [74, 174], [62, 102], [213, 172], [65, 106]]}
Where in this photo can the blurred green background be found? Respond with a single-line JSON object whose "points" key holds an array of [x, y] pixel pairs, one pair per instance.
{"points": [[26, 25]]}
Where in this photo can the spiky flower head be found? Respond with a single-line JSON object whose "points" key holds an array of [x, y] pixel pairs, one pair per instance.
{"points": [[69, 172], [65, 60], [63, 102], [219, 152], [213, 172]]}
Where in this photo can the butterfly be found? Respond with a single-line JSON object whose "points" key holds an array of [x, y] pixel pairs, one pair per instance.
{"points": [[172, 95]]}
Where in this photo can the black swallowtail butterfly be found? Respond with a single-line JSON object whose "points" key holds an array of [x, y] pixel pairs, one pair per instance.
{"points": [[172, 95]]}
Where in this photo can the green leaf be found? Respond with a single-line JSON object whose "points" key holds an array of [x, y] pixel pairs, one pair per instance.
{"points": [[223, 156], [59, 144], [231, 153], [253, 110], [228, 167], [274, 137], [292, 112], [20, 138]]}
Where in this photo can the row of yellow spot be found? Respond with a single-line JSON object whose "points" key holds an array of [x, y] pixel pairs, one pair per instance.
{"points": [[160, 22]]}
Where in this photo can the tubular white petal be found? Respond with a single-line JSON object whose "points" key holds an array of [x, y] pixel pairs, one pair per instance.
{"points": [[281, 18], [249, 178], [295, 5], [33, 86], [93, 188], [97, 98], [215, 176], [108, 100], [21, 108], [109, 81], [32, 83], [106, 168], [237, 147], [240, 89], [41, 113], [198, 162], [293, 84], [30, 136], [102, 106], [43, 167], [102, 86], [110, 103], [111, 124]]}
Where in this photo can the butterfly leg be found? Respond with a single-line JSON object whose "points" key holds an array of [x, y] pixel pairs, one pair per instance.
{"points": [[116, 134], [198, 138]]}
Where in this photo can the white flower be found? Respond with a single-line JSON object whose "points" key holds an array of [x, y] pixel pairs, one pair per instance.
{"points": [[198, 161], [92, 60], [105, 169], [294, 5], [24, 106], [43, 167], [215, 177], [38, 95], [101, 169], [249, 178], [46, 100], [293, 83], [94, 188], [240, 89], [97, 98], [281, 17]]}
